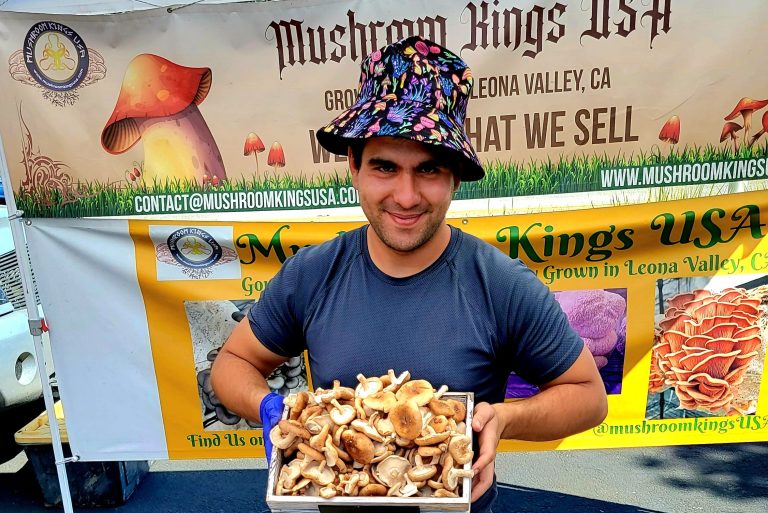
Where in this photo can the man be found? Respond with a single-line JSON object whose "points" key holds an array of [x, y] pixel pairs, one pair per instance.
{"points": [[408, 291]]}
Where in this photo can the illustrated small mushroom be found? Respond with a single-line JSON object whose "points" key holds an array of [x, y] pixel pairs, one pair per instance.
{"points": [[276, 156], [746, 107], [158, 103], [759, 133], [670, 132], [253, 146], [729, 131]]}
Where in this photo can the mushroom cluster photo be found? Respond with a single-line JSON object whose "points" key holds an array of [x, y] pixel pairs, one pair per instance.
{"points": [[708, 353], [388, 437]]}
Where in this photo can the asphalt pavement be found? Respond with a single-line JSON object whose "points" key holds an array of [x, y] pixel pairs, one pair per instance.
{"points": [[727, 478]]}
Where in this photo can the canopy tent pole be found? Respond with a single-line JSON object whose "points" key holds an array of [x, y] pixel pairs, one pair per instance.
{"points": [[15, 218]]}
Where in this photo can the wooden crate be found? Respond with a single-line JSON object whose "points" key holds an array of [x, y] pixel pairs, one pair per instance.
{"points": [[301, 504]]}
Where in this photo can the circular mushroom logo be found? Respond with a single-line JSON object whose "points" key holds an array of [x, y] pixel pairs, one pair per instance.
{"points": [[56, 56], [193, 247]]}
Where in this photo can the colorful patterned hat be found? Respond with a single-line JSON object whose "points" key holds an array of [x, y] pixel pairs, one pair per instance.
{"points": [[413, 89]]}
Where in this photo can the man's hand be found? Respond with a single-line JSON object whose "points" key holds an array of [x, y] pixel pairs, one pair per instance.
{"points": [[485, 421], [270, 411]]}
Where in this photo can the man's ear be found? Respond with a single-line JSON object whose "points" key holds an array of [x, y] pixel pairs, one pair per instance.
{"points": [[353, 166]]}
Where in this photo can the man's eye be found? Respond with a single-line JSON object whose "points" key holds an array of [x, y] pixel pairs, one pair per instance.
{"points": [[430, 170], [385, 169]]}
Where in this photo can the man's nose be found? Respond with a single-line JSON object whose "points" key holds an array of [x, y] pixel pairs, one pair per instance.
{"points": [[406, 193]]}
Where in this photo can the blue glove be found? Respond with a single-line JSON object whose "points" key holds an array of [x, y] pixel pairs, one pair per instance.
{"points": [[271, 411]]}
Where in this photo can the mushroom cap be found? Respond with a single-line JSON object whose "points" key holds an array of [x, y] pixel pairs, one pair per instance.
{"points": [[746, 104], [381, 400], [390, 470], [418, 390], [459, 448], [440, 407], [670, 132], [406, 419], [276, 156], [373, 490], [253, 144], [432, 438], [765, 120], [459, 409], [152, 87], [728, 129], [359, 446], [319, 473]]}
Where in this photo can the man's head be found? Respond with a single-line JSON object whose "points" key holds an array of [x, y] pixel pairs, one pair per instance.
{"points": [[405, 189], [415, 90]]}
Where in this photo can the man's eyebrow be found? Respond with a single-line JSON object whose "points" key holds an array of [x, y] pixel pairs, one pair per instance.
{"points": [[435, 162], [379, 161]]}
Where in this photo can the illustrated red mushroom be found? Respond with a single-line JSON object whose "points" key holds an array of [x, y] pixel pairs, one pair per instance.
{"points": [[729, 130], [158, 103], [276, 156], [670, 132], [253, 145], [762, 130], [746, 107]]}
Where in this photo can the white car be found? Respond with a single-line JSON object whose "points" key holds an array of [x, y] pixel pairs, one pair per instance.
{"points": [[19, 379]]}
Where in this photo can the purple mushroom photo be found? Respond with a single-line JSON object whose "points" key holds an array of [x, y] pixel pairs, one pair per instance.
{"points": [[599, 317]]}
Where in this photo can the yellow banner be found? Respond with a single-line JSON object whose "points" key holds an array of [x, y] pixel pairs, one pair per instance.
{"points": [[680, 288]]}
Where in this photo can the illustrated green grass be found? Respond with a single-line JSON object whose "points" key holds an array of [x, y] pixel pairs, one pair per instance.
{"points": [[503, 179]]}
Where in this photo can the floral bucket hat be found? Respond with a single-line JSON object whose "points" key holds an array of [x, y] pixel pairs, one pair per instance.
{"points": [[414, 89]]}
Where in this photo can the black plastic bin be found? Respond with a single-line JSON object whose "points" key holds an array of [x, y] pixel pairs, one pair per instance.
{"points": [[93, 483]]}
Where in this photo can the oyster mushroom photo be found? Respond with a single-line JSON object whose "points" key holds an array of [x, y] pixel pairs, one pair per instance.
{"points": [[158, 104], [210, 324], [389, 437], [708, 352], [599, 317]]}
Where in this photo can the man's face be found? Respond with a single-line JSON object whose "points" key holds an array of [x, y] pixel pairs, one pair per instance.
{"points": [[405, 191]]}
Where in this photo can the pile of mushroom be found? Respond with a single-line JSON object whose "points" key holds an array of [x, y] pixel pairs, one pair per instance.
{"points": [[389, 436]]}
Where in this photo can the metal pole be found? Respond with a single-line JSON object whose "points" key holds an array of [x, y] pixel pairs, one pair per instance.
{"points": [[35, 328]]}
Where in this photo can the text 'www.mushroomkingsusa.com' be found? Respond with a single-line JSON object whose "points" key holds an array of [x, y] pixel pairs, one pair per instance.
{"points": [[684, 174]]}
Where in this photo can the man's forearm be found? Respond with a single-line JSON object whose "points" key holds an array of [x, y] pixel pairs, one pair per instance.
{"points": [[238, 385], [554, 413]]}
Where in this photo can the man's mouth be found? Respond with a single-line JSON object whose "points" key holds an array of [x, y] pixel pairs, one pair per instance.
{"points": [[403, 219]]}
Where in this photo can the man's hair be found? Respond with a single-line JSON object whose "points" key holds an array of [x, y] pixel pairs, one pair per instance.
{"points": [[441, 155]]}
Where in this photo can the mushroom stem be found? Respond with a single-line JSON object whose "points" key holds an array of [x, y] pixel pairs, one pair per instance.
{"points": [[747, 115], [180, 146]]}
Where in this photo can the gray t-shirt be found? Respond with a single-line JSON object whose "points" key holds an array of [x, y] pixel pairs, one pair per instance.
{"points": [[466, 321]]}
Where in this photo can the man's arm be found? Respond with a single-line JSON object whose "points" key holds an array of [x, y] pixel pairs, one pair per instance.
{"points": [[571, 403], [239, 372]]}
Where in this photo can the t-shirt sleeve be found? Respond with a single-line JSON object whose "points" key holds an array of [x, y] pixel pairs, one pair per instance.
{"points": [[274, 318], [542, 343]]}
